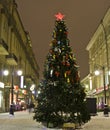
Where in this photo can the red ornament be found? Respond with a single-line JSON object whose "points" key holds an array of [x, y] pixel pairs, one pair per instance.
{"points": [[66, 33], [63, 63], [67, 64], [66, 56], [68, 72], [59, 16], [51, 51], [57, 73]]}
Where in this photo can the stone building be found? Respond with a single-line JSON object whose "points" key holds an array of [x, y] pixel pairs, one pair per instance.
{"points": [[99, 59], [15, 54]]}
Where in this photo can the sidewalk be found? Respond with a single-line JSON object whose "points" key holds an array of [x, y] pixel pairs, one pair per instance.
{"points": [[101, 115], [24, 121], [98, 122], [21, 120]]}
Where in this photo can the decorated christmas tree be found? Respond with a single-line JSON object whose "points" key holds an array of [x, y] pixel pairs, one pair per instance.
{"points": [[62, 97]]}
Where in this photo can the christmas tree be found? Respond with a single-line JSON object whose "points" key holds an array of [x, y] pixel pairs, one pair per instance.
{"points": [[62, 97]]}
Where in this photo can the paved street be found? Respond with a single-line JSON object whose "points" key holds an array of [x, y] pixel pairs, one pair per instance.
{"points": [[98, 123], [23, 121]]}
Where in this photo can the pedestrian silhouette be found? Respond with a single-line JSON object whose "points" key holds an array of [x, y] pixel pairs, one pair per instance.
{"points": [[11, 110]]}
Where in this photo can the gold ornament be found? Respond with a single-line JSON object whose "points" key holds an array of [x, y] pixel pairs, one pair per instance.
{"points": [[68, 80], [53, 56], [65, 74]]}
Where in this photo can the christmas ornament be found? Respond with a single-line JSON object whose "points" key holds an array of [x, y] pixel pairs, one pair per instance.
{"points": [[55, 49], [67, 63], [57, 73], [54, 34], [71, 57], [51, 51], [68, 80], [68, 72], [55, 83], [59, 50], [53, 56], [58, 42], [65, 74], [66, 56], [66, 33], [63, 48], [59, 16], [63, 62], [51, 73]]}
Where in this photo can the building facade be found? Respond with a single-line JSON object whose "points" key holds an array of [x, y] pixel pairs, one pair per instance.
{"points": [[99, 59], [15, 53]]}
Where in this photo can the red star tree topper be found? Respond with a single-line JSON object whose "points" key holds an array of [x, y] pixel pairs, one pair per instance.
{"points": [[59, 16]]}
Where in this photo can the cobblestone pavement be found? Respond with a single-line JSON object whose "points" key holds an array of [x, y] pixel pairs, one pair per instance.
{"points": [[23, 121]]}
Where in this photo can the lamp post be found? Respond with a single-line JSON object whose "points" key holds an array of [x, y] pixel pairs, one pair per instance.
{"points": [[12, 87], [19, 73], [103, 69]]}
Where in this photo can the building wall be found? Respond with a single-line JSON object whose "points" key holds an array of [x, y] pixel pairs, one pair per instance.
{"points": [[99, 57], [15, 53]]}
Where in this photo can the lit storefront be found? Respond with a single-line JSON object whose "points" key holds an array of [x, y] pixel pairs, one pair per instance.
{"points": [[1, 96]]}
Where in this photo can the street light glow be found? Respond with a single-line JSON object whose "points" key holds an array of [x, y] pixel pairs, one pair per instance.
{"points": [[19, 72], [5, 72], [97, 72]]}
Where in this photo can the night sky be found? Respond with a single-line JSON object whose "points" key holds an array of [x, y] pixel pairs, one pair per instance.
{"points": [[82, 18]]}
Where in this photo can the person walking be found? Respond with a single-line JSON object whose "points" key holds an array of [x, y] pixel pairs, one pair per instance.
{"points": [[11, 111]]}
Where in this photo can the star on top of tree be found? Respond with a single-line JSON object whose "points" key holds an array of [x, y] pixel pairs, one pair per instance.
{"points": [[59, 16]]}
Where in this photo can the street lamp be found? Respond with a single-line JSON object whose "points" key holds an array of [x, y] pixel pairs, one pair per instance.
{"points": [[105, 103], [5, 72], [19, 73]]}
